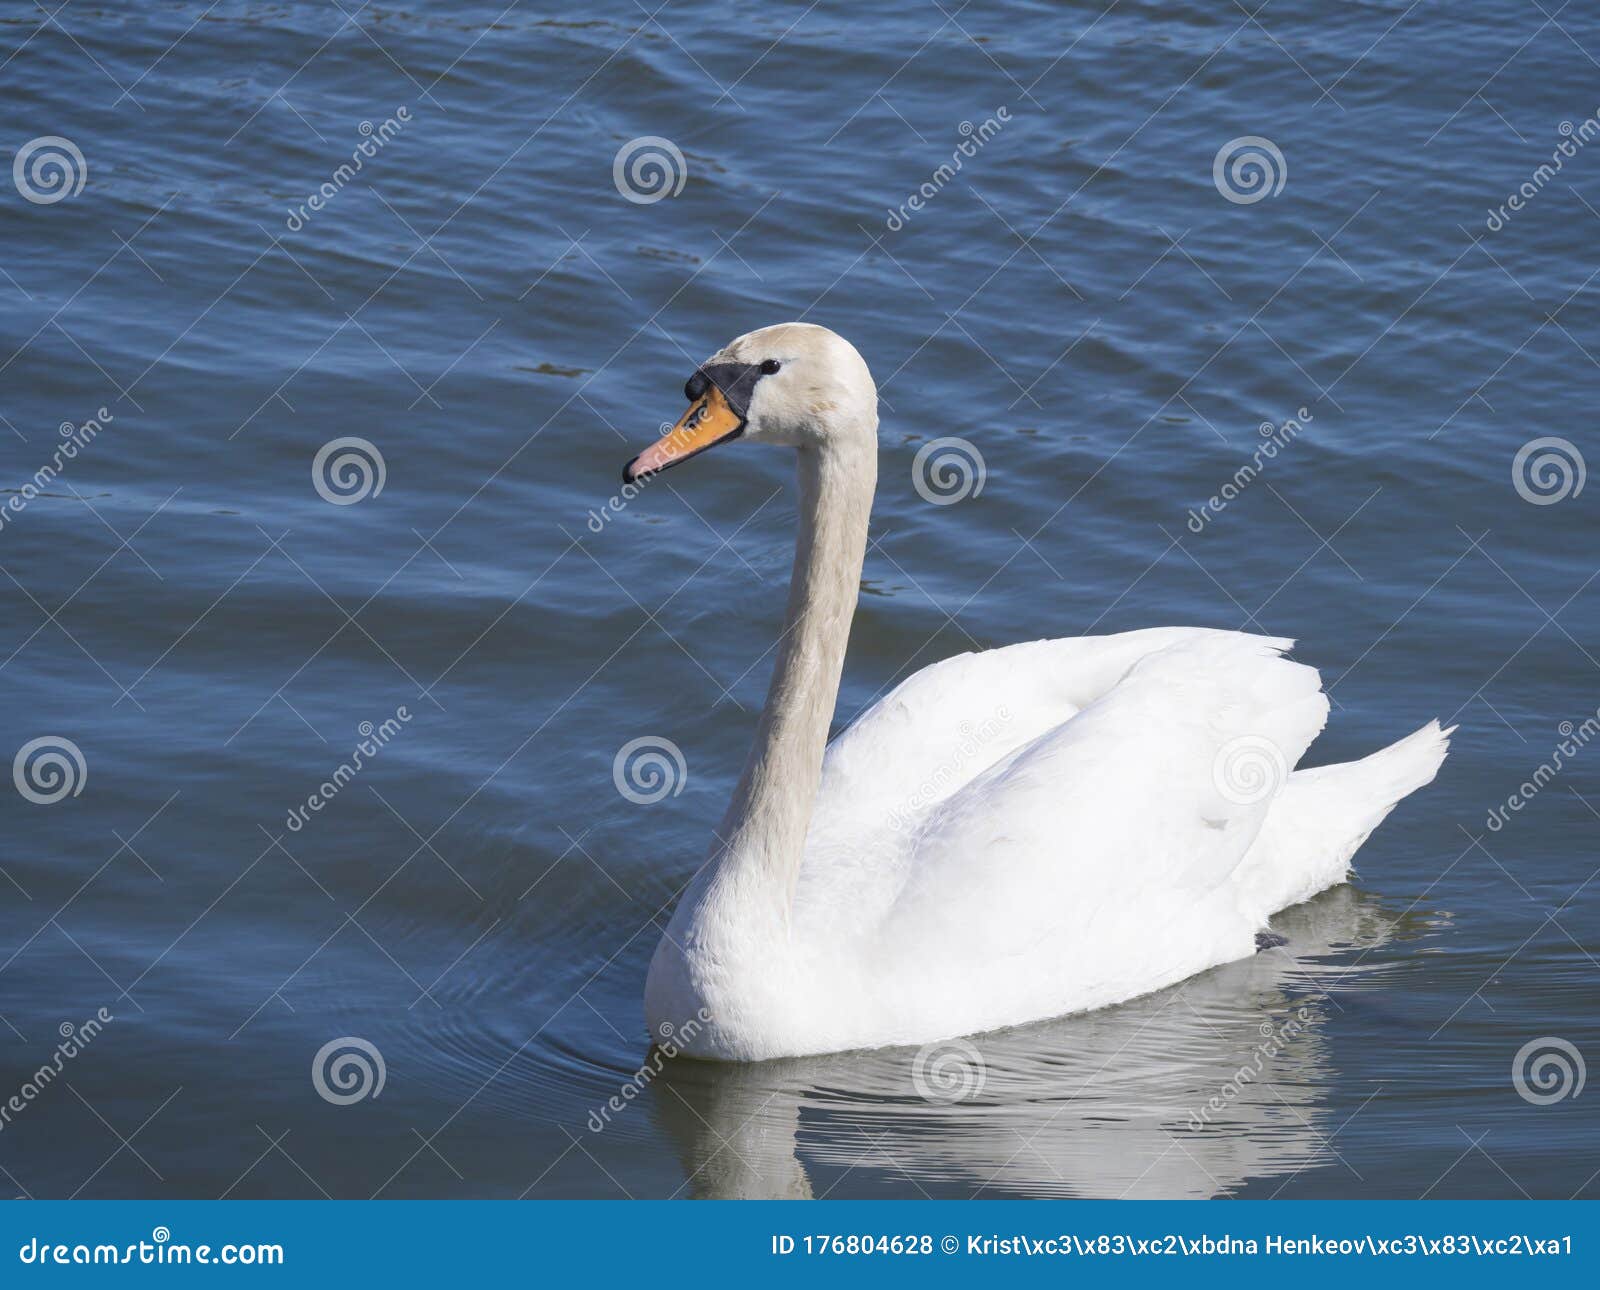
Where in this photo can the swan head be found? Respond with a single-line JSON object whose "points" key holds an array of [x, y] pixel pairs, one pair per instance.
{"points": [[797, 385]]}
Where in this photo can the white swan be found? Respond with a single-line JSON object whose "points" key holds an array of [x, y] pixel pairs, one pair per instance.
{"points": [[1009, 835]]}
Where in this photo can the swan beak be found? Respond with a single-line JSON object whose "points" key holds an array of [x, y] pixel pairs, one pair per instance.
{"points": [[709, 420]]}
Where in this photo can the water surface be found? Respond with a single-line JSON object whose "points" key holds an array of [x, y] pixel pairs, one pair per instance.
{"points": [[1081, 302]]}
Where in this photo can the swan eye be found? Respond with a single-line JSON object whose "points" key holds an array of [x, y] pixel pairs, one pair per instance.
{"points": [[770, 366]]}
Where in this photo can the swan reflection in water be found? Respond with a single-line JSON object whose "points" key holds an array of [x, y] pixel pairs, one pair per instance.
{"points": [[1187, 1093]]}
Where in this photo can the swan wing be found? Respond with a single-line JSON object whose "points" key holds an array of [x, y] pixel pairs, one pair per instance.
{"points": [[946, 724], [1094, 863], [892, 770], [1323, 815]]}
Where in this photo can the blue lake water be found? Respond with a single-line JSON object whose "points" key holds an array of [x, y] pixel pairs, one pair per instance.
{"points": [[1106, 315]]}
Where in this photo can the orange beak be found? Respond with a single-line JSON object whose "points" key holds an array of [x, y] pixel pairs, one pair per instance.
{"points": [[709, 421]]}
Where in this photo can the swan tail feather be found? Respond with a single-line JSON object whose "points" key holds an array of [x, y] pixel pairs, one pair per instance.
{"points": [[1370, 788], [1323, 816]]}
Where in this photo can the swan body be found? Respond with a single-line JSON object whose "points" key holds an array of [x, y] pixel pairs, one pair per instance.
{"points": [[1009, 835]]}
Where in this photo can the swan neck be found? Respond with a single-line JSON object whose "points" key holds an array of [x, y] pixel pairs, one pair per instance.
{"points": [[764, 832]]}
